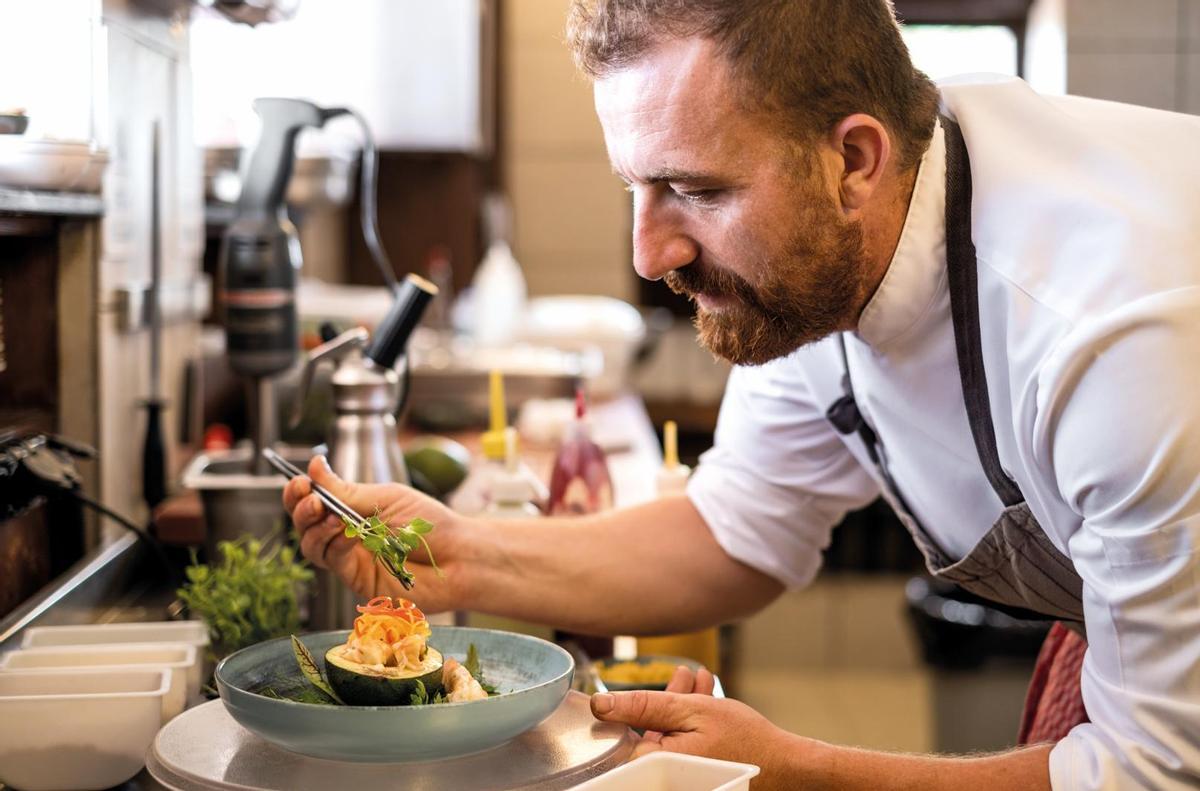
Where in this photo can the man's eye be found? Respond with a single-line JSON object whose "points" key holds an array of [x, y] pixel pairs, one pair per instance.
{"points": [[699, 197]]}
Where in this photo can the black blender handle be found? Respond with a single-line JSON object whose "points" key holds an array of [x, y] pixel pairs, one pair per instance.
{"points": [[271, 163], [392, 334]]}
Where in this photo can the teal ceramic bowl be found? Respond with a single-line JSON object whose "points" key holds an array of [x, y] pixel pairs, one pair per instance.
{"points": [[532, 675]]}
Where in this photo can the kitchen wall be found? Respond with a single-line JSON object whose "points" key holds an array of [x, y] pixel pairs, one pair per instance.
{"points": [[1145, 53], [572, 216]]}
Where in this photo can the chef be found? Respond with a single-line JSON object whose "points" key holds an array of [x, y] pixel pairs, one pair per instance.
{"points": [[979, 302]]}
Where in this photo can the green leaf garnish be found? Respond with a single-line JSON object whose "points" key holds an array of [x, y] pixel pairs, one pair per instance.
{"points": [[472, 662], [308, 666], [391, 546], [474, 667]]}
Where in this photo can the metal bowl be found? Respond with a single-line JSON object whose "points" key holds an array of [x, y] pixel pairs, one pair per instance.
{"points": [[532, 675], [13, 124]]}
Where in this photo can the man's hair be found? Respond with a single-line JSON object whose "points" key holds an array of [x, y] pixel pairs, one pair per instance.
{"points": [[809, 62]]}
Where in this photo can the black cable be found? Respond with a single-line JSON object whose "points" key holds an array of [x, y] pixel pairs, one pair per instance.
{"points": [[155, 545], [369, 215]]}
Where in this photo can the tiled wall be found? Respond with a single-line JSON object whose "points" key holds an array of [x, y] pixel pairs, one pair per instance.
{"points": [[1145, 52], [571, 215]]}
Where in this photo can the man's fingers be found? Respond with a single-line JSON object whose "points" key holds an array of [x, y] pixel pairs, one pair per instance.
{"points": [[296, 490], [308, 513], [705, 682], [646, 710], [645, 746], [315, 541], [349, 493], [683, 681]]}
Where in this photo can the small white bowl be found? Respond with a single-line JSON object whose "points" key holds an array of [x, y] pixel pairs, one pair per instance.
{"points": [[178, 658], [664, 771], [71, 729]]}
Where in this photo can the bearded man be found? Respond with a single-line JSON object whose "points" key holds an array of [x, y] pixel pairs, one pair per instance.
{"points": [[979, 302]]}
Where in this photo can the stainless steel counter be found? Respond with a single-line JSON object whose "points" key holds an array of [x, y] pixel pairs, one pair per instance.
{"points": [[113, 583], [108, 584]]}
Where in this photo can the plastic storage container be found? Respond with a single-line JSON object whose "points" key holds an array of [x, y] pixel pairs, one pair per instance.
{"points": [[178, 659], [664, 771], [188, 632], [69, 729]]}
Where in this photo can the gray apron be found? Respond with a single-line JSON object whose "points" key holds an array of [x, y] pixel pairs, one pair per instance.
{"points": [[1014, 566]]}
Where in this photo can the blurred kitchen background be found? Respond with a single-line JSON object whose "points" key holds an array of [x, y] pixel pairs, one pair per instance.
{"points": [[486, 138]]}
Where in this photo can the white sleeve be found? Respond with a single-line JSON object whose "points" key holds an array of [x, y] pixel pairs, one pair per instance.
{"points": [[1119, 432], [778, 477]]}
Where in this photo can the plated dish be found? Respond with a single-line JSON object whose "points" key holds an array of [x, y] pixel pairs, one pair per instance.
{"points": [[419, 697]]}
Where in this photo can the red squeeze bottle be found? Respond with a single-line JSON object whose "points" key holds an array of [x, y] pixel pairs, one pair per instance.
{"points": [[579, 483]]}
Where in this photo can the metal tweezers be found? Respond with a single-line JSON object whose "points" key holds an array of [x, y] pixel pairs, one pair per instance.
{"points": [[292, 471]]}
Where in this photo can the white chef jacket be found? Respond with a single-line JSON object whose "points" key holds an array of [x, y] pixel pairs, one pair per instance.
{"points": [[1086, 220]]}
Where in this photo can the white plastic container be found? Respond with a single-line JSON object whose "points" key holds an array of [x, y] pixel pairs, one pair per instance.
{"points": [[177, 658], [70, 729], [189, 632], [664, 771]]}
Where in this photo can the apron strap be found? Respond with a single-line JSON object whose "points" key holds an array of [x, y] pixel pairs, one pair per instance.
{"points": [[964, 309]]}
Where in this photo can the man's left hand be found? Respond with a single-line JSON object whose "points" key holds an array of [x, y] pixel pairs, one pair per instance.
{"points": [[686, 719]]}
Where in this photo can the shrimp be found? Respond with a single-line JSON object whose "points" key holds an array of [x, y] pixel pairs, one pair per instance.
{"points": [[459, 683]]}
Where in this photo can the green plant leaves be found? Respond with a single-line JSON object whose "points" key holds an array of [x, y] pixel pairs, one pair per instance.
{"points": [[308, 666], [250, 595], [391, 546]]}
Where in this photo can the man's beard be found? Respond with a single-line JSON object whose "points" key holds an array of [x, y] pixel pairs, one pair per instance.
{"points": [[815, 286]]}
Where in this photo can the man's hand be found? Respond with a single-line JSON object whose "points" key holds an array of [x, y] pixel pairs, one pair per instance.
{"points": [[324, 543], [699, 724], [732, 731]]}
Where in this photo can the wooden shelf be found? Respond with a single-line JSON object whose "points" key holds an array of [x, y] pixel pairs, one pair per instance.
{"points": [[690, 416], [54, 204]]}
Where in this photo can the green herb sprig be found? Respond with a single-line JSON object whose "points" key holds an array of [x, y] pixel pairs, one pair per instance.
{"points": [[474, 667], [251, 595], [421, 696], [391, 545]]}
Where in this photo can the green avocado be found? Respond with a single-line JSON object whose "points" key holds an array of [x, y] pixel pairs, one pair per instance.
{"points": [[372, 685], [442, 463]]}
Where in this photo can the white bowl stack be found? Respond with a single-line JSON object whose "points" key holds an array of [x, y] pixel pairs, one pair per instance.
{"points": [[80, 705]]}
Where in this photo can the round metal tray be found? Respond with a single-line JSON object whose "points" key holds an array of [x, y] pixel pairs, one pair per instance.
{"points": [[205, 749]]}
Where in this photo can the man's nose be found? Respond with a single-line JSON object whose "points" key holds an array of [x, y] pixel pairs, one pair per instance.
{"points": [[659, 244]]}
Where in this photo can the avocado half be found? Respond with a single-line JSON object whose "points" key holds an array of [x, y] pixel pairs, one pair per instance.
{"points": [[371, 685]]}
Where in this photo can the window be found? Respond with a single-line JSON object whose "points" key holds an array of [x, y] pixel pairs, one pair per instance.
{"points": [[948, 37], [945, 50]]}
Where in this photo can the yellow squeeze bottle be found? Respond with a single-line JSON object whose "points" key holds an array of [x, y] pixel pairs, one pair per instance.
{"points": [[477, 492], [702, 646]]}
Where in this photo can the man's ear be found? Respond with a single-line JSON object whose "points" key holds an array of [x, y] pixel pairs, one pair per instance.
{"points": [[865, 149]]}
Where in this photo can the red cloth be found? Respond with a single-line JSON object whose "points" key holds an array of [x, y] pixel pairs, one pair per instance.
{"points": [[1054, 703]]}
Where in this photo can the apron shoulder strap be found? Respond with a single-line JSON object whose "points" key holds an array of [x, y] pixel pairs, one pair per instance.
{"points": [[964, 310]]}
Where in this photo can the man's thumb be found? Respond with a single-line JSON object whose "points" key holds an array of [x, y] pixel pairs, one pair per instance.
{"points": [[646, 710], [323, 475]]}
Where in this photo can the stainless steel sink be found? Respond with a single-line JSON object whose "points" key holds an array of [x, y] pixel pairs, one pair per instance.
{"points": [[236, 501]]}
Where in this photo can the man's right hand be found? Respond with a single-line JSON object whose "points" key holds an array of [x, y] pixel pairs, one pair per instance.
{"points": [[324, 543]]}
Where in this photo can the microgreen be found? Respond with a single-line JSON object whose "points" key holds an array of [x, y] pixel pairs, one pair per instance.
{"points": [[249, 596], [391, 545]]}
